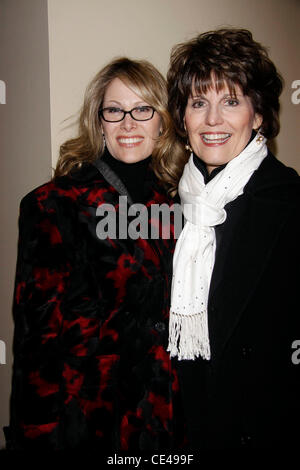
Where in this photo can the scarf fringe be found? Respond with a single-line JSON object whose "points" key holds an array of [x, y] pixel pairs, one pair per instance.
{"points": [[186, 336]]}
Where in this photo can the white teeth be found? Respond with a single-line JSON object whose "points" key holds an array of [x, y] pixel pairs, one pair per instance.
{"points": [[130, 140], [215, 137]]}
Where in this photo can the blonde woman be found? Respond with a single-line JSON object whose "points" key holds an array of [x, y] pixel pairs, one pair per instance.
{"points": [[91, 300]]}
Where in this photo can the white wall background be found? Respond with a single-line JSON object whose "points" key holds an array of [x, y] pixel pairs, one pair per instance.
{"points": [[83, 36]]}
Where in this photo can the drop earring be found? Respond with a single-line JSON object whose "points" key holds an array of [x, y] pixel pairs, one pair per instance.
{"points": [[188, 147], [104, 142]]}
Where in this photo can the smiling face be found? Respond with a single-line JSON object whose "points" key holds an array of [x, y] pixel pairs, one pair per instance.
{"points": [[219, 125], [128, 140]]}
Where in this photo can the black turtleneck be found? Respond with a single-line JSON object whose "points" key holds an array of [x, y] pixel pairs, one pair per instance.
{"points": [[132, 175], [203, 169]]}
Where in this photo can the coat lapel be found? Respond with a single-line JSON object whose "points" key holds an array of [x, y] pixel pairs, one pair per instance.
{"points": [[248, 239]]}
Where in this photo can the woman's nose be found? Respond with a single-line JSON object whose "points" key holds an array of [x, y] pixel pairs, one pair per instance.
{"points": [[128, 122], [213, 115]]}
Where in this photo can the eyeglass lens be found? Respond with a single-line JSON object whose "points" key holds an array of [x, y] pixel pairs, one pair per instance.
{"points": [[140, 113]]}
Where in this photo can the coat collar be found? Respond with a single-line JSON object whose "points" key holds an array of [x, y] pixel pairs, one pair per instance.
{"points": [[98, 173], [250, 233], [112, 178]]}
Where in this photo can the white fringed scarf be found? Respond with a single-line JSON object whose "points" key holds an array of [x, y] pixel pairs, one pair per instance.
{"points": [[203, 208]]}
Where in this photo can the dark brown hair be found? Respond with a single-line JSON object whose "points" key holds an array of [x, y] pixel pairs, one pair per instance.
{"points": [[225, 56]]}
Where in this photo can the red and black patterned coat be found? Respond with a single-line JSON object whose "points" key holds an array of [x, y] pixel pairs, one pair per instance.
{"points": [[90, 363]]}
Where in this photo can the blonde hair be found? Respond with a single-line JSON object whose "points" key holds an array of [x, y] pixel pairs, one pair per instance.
{"points": [[147, 82]]}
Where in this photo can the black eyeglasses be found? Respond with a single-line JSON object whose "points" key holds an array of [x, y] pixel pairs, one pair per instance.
{"points": [[113, 114]]}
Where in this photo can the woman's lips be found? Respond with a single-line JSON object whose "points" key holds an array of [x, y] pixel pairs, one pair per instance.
{"points": [[128, 142], [213, 139]]}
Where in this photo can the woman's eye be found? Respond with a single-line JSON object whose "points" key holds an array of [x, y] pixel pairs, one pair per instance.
{"points": [[113, 110], [232, 102], [143, 109], [198, 104]]}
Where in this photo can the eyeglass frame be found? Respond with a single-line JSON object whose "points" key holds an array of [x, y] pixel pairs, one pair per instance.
{"points": [[100, 113]]}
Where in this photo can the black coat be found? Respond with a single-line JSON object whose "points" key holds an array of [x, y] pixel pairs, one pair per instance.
{"points": [[248, 394], [90, 363]]}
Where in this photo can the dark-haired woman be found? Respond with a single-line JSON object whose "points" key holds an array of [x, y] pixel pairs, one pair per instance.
{"points": [[235, 321], [91, 369]]}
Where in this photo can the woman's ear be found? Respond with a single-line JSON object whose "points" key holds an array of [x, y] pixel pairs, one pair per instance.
{"points": [[257, 121]]}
